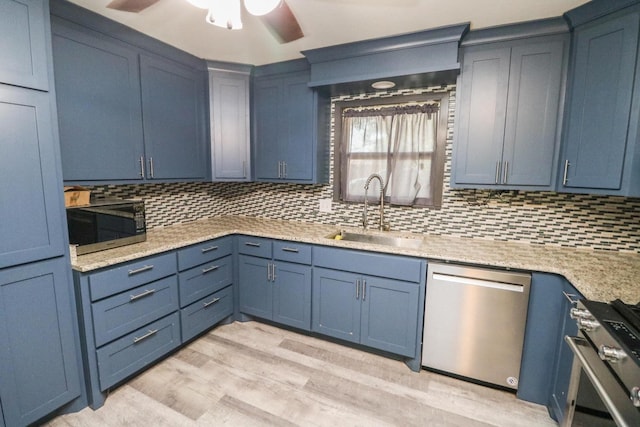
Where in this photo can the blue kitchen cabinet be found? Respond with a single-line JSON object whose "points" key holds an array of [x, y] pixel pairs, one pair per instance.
{"points": [[99, 107], [290, 125], [275, 281], [39, 369], [23, 49], [601, 151], [31, 225], [129, 111], [546, 358], [369, 298], [507, 134], [1, 416]]}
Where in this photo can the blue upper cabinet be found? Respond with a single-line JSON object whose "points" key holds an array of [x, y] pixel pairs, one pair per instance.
{"points": [[601, 152], [30, 189], [172, 113], [23, 58], [510, 97], [291, 136], [129, 108]]}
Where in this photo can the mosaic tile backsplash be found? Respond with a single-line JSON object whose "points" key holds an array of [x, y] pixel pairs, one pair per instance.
{"points": [[543, 218]]}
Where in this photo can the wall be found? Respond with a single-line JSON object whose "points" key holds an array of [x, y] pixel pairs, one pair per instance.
{"points": [[544, 218]]}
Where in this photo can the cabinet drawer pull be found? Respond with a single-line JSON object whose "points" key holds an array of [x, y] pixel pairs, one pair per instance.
{"points": [[145, 336], [210, 269], [213, 301], [252, 244], [572, 298], [140, 270], [364, 290], [146, 293], [209, 249], [294, 250]]}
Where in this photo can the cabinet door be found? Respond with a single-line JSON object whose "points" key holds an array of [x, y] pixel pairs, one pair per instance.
{"points": [[336, 304], [292, 295], [38, 367], [481, 116], [297, 129], [390, 315], [532, 114], [23, 54], [600, 102], [267, 119], [172, 111], [256, 293], [230, 138], [30, 188], [99, 110]]}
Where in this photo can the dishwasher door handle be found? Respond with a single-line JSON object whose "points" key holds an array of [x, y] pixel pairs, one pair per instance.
{"points": [[478, 282]]}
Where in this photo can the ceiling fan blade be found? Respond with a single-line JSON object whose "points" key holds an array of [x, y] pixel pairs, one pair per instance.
{"points": [[283, 24], [131, 5]]}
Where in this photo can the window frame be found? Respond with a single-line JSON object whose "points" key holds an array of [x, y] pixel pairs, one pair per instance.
{"points": [[438, 159]]}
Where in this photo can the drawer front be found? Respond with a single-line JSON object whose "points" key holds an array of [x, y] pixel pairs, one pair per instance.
{"points": [[205, 279], [291, 251], [371, 263], [254, 246], [130, 275], [203, 314], [127, 311], [204, 252], [133, 352]]}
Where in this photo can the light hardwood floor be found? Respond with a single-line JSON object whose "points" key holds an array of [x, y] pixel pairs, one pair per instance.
{"points": [[252, 374]]}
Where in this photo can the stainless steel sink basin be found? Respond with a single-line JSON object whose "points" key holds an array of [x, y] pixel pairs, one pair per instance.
{"points": [[377, 239]]}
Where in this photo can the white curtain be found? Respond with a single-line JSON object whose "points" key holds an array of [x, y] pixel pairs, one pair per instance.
{"points": [[397, 143]]}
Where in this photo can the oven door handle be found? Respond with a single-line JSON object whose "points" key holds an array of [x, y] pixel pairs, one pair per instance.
{"points": [[602, 380]]}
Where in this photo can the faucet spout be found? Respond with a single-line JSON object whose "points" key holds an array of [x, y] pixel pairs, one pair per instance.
{"points": [[382, 225]]}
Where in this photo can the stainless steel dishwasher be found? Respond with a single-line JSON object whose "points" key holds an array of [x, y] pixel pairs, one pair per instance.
{"points": [[474, 322]]}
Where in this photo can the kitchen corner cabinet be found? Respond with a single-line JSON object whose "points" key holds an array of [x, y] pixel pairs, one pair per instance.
{"points": [[275, 281], [23, 49], [368, 298], [509, 105], [125, 116], [230, 125], [291, 139], [601, 151]]}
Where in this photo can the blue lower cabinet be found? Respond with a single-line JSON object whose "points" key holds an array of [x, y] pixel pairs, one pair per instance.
{"points": [[39, 370], [129, 354], [256, 292], [203, 314], [1, 416], [377, 312]]}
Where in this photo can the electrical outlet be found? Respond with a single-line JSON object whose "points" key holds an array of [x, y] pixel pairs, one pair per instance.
{"points": [[325, 205]]}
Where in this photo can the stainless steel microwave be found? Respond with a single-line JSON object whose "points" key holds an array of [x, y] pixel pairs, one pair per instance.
{"points": [[106, 224]]}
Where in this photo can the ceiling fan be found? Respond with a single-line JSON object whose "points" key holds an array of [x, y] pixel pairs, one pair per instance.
{"points": [[276, 14]]}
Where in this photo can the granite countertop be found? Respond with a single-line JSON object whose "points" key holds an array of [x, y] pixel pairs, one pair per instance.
{"points": [[598, 275]]}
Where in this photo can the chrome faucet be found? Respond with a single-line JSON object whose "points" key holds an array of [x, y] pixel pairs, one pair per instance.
{"points": [[365, 222]]}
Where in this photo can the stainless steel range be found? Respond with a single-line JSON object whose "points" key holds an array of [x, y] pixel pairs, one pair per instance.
{"points": [[607, 359]]}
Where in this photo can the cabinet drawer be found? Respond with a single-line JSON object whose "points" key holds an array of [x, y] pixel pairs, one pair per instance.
{"points": [[202, 315], [371, 263], [130, 275], [255, 246], [204, 252], [129, 354], [122, 313], [205, 279], [292, 252]]}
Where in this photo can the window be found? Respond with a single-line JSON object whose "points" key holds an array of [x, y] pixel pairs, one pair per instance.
{"points": [[401, 138]]}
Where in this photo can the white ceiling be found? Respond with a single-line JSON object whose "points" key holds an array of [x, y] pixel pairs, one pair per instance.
{"points": [[324, 22]]}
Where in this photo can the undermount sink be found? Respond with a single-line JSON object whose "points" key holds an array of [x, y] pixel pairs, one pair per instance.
{"points": [[377, 239]]}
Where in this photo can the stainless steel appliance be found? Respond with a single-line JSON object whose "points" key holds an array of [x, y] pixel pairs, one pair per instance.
{"points": [[607, 359], [106, 224], [474, 322]]}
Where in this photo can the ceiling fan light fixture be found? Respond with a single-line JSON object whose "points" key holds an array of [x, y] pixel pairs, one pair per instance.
{"points": [[225, 14], [261, 7], [383, 84]]}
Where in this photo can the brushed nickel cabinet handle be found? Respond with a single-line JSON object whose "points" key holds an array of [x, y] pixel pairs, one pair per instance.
{"points": [[140, 270], [497, 172], [357, 288], [145, 336], [284, 169], [268, 272], [364, 290], [273, 272], [141, 167], [505, 173], [294, 250], [209, 249], [565, 178], [150, 167], [210, 269], [213, 301], [146, 293], [252, 244]]}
